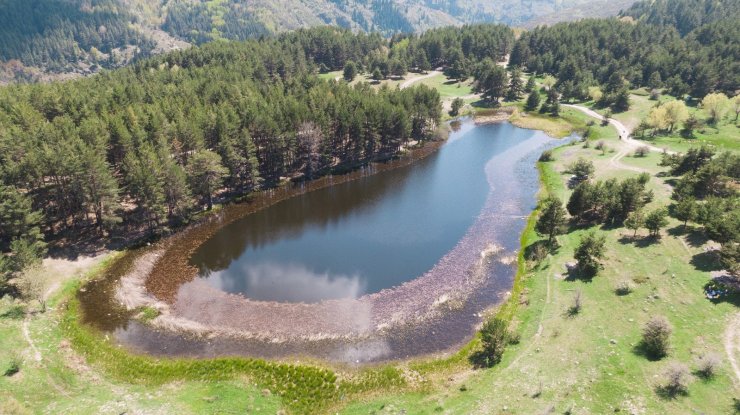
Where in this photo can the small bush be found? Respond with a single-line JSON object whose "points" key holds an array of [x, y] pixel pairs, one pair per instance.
{"points": [[677, 379], [14, 366], [600, 145], [577, 305], [546, 156], [708, 365], [642, 151], [656, 337], [623, 288], [514, 337], [13, 312]]}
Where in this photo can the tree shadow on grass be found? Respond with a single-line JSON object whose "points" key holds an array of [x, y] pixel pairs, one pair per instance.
{"points": [[707, 261], [694, 236], [640, 349], [639, 241], [668, 393]]}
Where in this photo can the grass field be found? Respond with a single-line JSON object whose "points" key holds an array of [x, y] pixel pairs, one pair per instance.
{"points": [[725, 135], [588, 364]]}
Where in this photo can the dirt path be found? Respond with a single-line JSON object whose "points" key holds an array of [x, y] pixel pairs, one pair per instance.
{"points": [[624, 133], [732, 344], [27, 336]]}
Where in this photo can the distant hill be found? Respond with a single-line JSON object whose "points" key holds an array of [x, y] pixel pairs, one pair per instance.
{"points": [[66, 36], [40, 39], [684, 15], [204, 20]]}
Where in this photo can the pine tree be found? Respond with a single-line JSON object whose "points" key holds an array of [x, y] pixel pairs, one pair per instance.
{"points": [[533, 101], [551, 220], [515, 85], [206, 175], [531, 84], [99, 187]]}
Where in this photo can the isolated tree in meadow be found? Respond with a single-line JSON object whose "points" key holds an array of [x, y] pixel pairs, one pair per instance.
{"points": [[676, 113], [552, 220], [582, 169], [656, 220], [685, 210], [589, 253], [656, 336], [533, 101], [455, 107], [206, 174], [494, 337], [350, 71], [635, 220], [689, 126], [715, 105], [657, 119]]}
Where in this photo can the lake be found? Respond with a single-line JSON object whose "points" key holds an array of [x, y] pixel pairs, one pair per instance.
{"points": [[342, 267]]}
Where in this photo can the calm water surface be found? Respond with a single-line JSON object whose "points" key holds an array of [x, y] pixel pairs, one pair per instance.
{"points": [[362, 236]]}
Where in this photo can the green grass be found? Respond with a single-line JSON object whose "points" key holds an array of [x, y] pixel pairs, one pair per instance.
{"points": [[725, 135], [588, 363], [448, 88]]}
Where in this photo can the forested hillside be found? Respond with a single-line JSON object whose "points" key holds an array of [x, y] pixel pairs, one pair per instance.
{"points": [[684, 15], [610, 52], [62, 36], [39, 37]]}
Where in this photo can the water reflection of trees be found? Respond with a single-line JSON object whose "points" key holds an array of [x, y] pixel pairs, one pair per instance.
{"points": [[290, 218]]}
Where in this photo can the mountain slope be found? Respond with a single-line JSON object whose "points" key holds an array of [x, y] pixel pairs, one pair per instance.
{"points": [[77, 37]]}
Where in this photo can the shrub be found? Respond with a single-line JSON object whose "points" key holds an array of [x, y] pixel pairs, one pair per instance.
{"points": [[14, 366], [708, 365], [589, 252], [642, 151], [577, 305], [677, 379], [494, 336], [600, 145], [623, 288], [656, 337], [546, 156]]}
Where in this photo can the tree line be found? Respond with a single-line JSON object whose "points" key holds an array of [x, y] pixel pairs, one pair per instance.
{"points": [[616, 54], [142, 147]]}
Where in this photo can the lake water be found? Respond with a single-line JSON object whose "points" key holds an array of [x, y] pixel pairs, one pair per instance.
{"points": [[361, 237]]}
